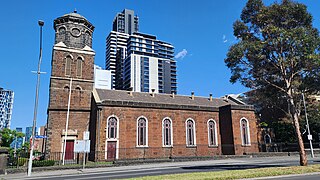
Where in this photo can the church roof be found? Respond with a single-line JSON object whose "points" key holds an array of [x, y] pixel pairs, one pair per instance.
{"points": [[120, 97]]}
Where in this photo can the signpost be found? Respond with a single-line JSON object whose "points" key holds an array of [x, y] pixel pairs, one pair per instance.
{"points": [[83, 146]]}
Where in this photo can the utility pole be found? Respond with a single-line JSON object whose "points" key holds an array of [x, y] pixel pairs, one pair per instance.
{"points": [[41, 23], [67, 123], [308, 129]]}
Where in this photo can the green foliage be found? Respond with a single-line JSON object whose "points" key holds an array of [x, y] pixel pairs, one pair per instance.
{"points": [[8, 135], [22, 161], [277, 46], [284, 132], [277, 54], [43, 163]]}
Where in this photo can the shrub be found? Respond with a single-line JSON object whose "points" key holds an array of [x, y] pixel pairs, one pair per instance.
{"points": [[22, 161], [43, 163]]}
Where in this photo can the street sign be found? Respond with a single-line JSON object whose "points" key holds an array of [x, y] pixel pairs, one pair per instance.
{"points": [[82, 146], [40, 137]]}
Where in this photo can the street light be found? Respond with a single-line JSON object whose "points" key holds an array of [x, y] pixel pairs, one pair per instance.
{"points": [[308, 128], [41, 23]]}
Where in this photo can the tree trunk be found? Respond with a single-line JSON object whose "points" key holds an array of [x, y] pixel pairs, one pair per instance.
{"points": [[302, 152]]}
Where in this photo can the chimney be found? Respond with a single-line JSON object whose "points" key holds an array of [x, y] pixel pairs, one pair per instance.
{"points": [[172, 95], [152, 92], [210, 97], [192, 95], [130, 91]]}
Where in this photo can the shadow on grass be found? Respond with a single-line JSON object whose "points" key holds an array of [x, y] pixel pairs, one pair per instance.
{"points": [[230, 167]]}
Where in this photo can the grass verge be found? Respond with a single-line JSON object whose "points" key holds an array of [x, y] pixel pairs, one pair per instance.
{"points": [[240, 174]]}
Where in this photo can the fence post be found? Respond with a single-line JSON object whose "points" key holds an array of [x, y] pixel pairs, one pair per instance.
{"points": [[3, 163]]}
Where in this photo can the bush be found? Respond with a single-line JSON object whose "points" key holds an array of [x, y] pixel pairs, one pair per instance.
{"points": [[43, 163], [22, 161]]}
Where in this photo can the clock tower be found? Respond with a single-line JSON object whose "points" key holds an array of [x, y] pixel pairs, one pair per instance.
{"points": [[71, 74]]}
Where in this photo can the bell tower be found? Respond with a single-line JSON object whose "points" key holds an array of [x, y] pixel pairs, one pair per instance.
{"points": [[72, 69]]}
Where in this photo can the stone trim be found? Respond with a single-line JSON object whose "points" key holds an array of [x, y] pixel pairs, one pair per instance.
{"points": [[65, 109], [96, 96], [81, 51], [73, 79]]}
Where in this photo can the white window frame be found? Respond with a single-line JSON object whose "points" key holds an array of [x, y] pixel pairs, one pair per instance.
{"points": [[137, 132], [112, 139], [215, 133], [194, 133], [163, 133], [248, 130]]}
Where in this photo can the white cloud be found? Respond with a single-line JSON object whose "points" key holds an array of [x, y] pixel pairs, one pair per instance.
{"points": [[224, 39], [181, 54]]}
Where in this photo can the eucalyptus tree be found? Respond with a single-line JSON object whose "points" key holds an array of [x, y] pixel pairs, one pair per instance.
{"points": [[277, 52]]}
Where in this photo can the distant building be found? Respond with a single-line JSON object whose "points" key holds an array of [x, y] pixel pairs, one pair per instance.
{"points": [[28, 133], [19, 129], [149, 65], [102, 78], [116, 48], [126, 22], [18, 141], [138, 60], [6, 105]]}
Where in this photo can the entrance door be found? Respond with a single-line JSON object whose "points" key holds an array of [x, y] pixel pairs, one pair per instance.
{"points": [[69, 149], [111, 150]]}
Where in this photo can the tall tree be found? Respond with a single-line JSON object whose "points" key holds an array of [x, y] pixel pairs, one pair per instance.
{"points": [[278, 50]]}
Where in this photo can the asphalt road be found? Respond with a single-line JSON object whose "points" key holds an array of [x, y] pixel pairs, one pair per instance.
{"points": [[168, 168]]}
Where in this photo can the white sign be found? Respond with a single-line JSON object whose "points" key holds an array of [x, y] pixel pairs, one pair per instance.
{"points": [[82, 146], [310, 137], [86, 135]]}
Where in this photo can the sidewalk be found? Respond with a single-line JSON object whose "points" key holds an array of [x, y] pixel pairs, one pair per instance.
{"points": [[228, 161]]}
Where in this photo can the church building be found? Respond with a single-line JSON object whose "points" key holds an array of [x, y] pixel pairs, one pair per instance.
{"points": [[133, 125]]}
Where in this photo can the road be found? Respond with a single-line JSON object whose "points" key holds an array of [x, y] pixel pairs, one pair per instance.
{"points": [[166, 168]]}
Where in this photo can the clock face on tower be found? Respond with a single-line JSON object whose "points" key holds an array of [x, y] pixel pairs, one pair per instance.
{"points": [[75, 32]]}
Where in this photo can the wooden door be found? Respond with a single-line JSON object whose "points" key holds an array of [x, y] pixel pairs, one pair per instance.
{"points": [[111, 150], [69, 149]]}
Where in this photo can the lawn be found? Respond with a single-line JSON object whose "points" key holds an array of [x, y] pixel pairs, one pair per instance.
{"points": [[240, 174]]}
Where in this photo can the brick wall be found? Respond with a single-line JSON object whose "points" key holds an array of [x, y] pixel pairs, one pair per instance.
{"points": [[58, 102], [128, 125], [250, 116]]}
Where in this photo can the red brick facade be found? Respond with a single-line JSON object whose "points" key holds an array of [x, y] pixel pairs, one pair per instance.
{"points": [[228, 128]]}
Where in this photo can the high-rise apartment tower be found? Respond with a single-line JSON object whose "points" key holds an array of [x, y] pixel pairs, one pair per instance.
{"points": [[6, 104], [126, 22]]}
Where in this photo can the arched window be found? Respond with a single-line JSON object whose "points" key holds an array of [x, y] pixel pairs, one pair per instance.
{"points": [[68, 66], [61, 34], [167, 132], [142, 131], [79, 67], [87, 38], [212, 133], [245, 134], [190, 132], [267, 139], [112, 128]]}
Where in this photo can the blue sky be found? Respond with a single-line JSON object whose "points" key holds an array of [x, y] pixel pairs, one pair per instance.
{"points": [[201, 28]]}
